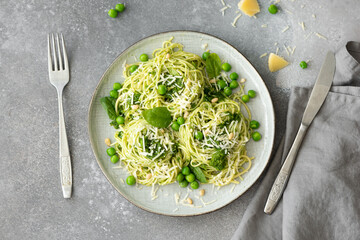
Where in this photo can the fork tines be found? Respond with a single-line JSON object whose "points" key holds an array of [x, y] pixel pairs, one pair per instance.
{"points": [[57, 62]]}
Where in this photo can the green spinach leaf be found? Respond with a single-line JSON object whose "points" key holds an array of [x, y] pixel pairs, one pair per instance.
{"points": [[158, 117], [109, 105], [213, 65]]}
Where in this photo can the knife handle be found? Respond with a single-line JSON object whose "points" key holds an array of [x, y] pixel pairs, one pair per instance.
{"points": [[282, 178]]}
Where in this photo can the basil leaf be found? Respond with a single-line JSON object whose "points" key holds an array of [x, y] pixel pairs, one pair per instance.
{"points": [[107, 104], [173, 72], [158, 117], [213, 65]]}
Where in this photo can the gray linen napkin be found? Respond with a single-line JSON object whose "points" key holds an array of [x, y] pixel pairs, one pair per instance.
{"points": [[322, 198]]}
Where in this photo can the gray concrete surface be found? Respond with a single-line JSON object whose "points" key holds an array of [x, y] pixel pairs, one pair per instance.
{"points": [[31, 203]]}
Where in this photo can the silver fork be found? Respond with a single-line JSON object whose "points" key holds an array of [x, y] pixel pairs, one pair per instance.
{"points": [[59, 77]]}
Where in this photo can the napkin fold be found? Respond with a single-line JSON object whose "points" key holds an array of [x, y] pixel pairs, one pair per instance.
{"points": [[322, 198]]}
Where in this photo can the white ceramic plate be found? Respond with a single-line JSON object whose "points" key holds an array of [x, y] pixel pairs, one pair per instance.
{"points": [[261, 108]]}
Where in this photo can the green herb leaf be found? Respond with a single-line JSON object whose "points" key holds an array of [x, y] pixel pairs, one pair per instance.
{"points": [[198, 174], [173, 72], [213, 65], [158, 117], [109, 107]]}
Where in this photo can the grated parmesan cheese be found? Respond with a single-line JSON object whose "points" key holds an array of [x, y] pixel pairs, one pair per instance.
{"points": [[302, 25], [314, 16], [320, 36], [235, 20], [261, 56], [264, 26], [285, 29]]}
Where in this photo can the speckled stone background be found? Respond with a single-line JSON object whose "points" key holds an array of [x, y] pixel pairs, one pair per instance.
{"points": [[31, 202]]}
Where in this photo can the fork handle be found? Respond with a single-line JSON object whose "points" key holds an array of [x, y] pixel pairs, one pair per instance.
{"points": [[65, 161]]}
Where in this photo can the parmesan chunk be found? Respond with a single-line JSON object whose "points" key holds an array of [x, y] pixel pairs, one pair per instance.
{"points": [[276, 62], [249, 7]]}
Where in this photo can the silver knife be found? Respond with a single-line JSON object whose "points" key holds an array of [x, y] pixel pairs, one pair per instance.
{"points": [[317, 98]]}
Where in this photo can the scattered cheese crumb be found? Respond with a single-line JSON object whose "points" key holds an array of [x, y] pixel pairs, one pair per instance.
{"points": [[275, 44], [302, 6], [285, 29], [263, 55], [223, 10], [243, 80], [277, 50], [223, 3], [288, 11], [122, 180], [235, 20], [307, 61], [276, 62], [176, 209], [249, 7], [177, 197], [237, 11], [287, 51], [232, 189], [320, 36], [302, 25], [293, 50], [204, 46], [314, 16], [264, 26]]}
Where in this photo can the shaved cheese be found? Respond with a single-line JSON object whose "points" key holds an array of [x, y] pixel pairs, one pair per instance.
{"points": [[223, 10], [177, 197], [302, 25], [261, 56], [287, 51], [249, 7], [320, 36], [235, 20], [285, 29], [276, 62], [223, 3], [288, 11]]}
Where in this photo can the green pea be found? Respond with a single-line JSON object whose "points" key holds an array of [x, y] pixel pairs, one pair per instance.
{"points": [[222, 84], [120, 7], [226, 67], [180, 120], [234, 84], [111, 151], [194, 185], [199, 135], [175, 126], [180, 177], [162, 89], [143, 57], [228, 91], [120, 120], [254, 124], [252, 93], [190, 178], [113, 13], [256, 136], [205, 55], [133, 68], [130, 180], [303, 64], [234, 76], [185, 171], [114, 159], [117, 86], [114, 94], [273, 9], [245, 98], [183, 183]]}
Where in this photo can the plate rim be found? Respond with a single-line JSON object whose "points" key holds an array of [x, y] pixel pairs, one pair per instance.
{"points": [[93, 144]]}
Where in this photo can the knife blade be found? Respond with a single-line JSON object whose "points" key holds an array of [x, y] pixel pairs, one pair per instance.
{"points": [[316, 100]]}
